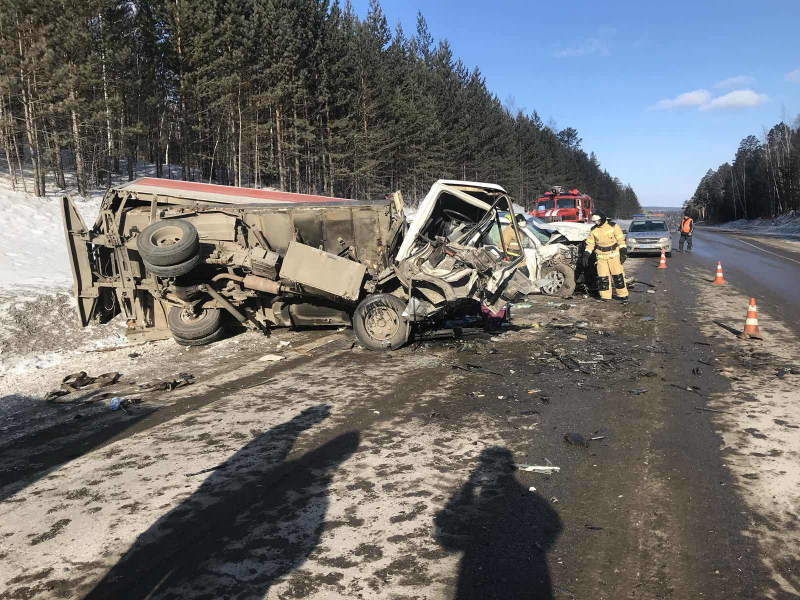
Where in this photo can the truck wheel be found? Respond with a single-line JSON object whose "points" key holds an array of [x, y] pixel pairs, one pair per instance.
{"points": [[188, 326], [379, 324], [173, 270], [561, 280], [213, 337], [169, 242]]}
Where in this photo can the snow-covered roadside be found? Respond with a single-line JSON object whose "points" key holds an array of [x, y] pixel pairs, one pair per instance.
{"points": [[787, 223], [38, 322]]}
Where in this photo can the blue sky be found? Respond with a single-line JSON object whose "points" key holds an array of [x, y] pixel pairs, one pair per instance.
{"points": [[660, 91]]}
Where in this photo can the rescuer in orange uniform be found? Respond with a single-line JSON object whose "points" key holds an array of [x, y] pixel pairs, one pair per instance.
{"points": [[687, 229], [607, 241]]}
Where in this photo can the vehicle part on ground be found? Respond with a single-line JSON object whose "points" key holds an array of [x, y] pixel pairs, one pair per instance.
{"points": [[559, 280], [378, 322], [173, 270], [186, 324], [168, 242], [213, 337]]}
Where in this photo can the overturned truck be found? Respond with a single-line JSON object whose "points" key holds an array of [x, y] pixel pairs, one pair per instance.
{"points": [[186, 259]]}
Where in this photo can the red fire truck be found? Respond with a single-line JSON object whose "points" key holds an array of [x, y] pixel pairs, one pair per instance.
{"points": [[558, 205]]}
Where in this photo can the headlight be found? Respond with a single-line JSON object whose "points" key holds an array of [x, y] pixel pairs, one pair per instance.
{"points": [[631, 241], [664, 240]]}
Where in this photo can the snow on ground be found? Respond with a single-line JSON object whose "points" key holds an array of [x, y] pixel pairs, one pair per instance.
{"points": [[39, 325], [786, 223]]}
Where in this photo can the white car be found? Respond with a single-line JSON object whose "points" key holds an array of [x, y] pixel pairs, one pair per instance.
{"points": [[649, 235], [552, 252]]}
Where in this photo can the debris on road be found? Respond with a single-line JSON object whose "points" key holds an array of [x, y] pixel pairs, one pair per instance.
{"points": [[714, 410], [271, 358], [83, 382], [168, 385], [576, 439], [470, 367], [543, 469]]}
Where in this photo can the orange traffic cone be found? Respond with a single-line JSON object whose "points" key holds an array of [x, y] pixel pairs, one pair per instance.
{"points": [[662, 264], [720, 280], [751, 323]]}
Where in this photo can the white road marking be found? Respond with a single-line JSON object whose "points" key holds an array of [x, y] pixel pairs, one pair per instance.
{"points": [[768, 252]]}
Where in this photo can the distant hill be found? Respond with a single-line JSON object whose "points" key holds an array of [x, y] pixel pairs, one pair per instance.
{"points": [[664, 209]]}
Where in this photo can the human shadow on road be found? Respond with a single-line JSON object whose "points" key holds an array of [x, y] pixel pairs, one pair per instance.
{"points": [[255, 519], [503, 530]]}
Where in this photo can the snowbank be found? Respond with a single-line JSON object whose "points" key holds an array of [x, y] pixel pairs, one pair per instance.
{"points": [[786, 223], [33, 252]]}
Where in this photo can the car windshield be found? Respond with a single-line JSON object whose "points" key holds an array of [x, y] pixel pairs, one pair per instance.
{"points": [[540, 234], [565, 203], [647, 226], [545, 204]]}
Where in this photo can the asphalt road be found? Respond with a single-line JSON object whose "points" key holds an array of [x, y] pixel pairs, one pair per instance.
{"points": [[765, 270], [341, 473]]}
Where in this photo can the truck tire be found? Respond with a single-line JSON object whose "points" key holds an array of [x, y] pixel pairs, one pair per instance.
{"points": [[187, 326], [167, 243], [379, 324], [173, 270], [562, 280], [213, 337]]}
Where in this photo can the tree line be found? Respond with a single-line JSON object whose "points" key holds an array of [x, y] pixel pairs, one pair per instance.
{"points": [[302, 95], [762, 182]]}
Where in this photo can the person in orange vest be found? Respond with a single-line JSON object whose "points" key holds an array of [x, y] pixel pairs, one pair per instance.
{"points": [[607, 241], [686, 229]]}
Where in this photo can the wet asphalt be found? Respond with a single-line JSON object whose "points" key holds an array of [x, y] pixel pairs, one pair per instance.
{"points": [[769, 274]]}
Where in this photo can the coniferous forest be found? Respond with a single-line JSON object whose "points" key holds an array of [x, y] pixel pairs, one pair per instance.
{"points": [[762, 182], [302, 95]]}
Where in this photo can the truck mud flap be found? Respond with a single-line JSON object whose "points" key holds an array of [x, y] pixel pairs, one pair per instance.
{"points": [[78, 248]]}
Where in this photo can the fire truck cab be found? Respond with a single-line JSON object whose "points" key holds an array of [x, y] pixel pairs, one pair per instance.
{"points": [[557, 205]]}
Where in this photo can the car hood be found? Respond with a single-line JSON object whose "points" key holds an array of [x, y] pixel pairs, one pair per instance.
{"points": [[574, 232], [647, 234]]}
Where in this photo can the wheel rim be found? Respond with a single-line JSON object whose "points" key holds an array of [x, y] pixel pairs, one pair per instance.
{"points": [[555, 282], [189, 317], [165, 237], [381, 323]]}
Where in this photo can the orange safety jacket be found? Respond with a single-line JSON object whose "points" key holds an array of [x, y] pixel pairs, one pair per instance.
{"points": [[688, 225]]}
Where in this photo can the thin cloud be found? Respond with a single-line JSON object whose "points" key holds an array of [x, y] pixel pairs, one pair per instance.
{"points": [[598, 45], [737, 81], [736, 99], [693, 98], [793, 76]]}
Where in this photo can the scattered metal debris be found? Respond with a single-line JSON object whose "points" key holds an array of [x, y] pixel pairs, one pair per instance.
{"points": [[469, 367], [576, 439], [543, 469], [167, 386], [714, 410]]}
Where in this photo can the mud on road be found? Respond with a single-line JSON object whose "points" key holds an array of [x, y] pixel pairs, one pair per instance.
{"points": [[337, 472]]}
